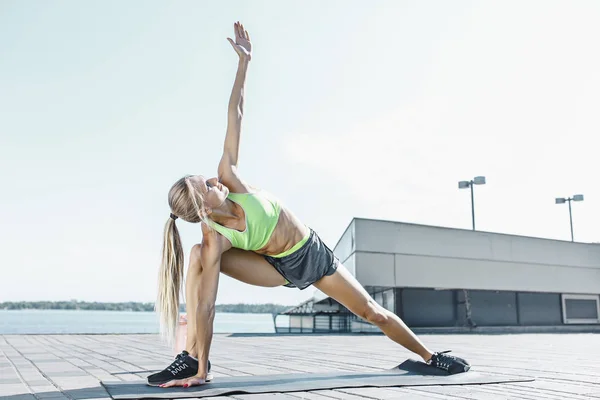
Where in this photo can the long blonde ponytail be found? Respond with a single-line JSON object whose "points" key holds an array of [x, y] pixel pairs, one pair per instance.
{"points": [[170, 280], [188, 204]]}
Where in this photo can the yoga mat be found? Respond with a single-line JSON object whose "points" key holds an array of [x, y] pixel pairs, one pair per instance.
{"points": [[409, 373]]}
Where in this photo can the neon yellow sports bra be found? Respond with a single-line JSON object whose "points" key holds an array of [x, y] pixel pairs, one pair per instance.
{"points": [[262, 214]]}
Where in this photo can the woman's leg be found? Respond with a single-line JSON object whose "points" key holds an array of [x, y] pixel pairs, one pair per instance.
{"points": [[245, 266], [345, 289]]}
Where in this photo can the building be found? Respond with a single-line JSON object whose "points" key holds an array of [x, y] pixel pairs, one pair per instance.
{"points": [[443, 277]]}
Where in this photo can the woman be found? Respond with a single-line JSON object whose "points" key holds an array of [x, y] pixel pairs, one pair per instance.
{"points": [[250, 236]]}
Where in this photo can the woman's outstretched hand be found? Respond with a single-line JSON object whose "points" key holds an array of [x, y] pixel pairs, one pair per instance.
{"points": [[191, 381], [242, 45]]}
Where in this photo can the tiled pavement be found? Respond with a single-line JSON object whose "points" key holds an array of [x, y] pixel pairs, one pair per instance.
{"points": [[56, 367]]}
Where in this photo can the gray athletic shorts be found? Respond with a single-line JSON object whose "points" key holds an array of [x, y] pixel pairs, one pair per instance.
{"points": [[306, 265]]}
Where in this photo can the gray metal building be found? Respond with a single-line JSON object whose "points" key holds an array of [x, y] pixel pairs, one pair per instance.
{"points": [[443, 277]]}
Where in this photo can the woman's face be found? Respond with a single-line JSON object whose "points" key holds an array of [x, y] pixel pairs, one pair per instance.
{"points": [[213, 192]]}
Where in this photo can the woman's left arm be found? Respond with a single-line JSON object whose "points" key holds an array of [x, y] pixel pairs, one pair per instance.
{"points": [[235, 111]]}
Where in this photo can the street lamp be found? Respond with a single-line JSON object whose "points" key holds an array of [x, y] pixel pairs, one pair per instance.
{"points": [[478, 180], [562, 200]]}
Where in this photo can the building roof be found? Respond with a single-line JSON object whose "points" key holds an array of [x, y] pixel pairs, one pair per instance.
{"points": [[455, 229]]}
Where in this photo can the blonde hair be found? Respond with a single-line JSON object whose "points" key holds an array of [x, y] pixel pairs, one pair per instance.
{"points": [[187, 203]]}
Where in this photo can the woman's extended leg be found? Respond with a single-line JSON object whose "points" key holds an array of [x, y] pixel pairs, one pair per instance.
{"points": [[245, 266], [345, 289]]}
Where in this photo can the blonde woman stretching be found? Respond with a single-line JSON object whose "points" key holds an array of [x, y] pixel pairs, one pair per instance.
{"points": [[250, 236]]}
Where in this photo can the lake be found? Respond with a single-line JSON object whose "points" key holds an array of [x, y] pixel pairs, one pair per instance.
{"points": [[84, 321]]}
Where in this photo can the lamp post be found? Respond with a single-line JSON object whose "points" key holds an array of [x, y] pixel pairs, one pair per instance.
{"points": [[478, 180], [562, 200]]}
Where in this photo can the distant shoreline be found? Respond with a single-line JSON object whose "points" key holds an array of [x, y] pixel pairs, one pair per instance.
{"points": [[135, 306]]}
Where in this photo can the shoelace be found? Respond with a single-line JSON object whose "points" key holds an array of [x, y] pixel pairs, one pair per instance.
{"points": [[178, 362], [441, 360]]}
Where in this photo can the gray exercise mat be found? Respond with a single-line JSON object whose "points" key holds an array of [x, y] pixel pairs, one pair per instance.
{"points": [[409, 373]]}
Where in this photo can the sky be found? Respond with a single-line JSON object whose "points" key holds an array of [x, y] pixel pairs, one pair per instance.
{"points": [[353, 109]]}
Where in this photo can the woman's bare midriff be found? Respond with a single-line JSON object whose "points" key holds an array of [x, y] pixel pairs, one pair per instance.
{"points": [[287, 233]]}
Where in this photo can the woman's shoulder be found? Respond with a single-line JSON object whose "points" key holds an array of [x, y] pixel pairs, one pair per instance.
{"points": [[213, 238]]}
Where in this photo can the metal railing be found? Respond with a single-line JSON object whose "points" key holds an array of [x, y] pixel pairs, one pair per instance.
{"points": [[323, 323]]}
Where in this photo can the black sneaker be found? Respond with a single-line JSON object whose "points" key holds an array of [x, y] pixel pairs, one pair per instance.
{"points": [[454, 365], [183, 367]]}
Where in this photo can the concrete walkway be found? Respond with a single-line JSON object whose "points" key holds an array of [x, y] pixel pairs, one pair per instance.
{"points": [[56, 367]]}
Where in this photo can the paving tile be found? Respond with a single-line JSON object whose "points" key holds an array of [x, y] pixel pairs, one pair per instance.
{"points": [[13, 389]]}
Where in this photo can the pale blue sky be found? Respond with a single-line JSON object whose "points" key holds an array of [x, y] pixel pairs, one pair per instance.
{"points": [[353, 108]]}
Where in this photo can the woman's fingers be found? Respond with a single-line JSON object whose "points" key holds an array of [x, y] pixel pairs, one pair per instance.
{"points": [[238, 30], [194, 381], [178, 382]]}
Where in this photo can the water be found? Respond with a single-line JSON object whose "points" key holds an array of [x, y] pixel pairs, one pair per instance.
{"points": [[84, 321]]}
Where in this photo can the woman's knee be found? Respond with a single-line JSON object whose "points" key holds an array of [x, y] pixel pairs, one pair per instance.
{"points": [[374, 313]]}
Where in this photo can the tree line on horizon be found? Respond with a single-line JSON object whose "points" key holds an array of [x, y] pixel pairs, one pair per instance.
{"points": [[268, 308]]}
